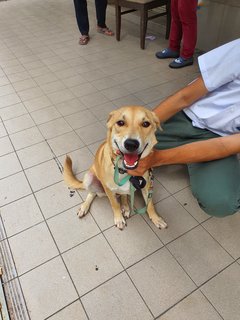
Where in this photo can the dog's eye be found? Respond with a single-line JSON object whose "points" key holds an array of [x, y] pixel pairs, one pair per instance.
{"points": [[120, 123], [146, 124]]}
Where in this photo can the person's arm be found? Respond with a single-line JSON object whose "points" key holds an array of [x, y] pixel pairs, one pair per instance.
{"points": [[181, 99], [200, 151]]}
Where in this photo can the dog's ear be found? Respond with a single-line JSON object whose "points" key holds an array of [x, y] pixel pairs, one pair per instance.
{"points": [[110, 120], [156, 120]]}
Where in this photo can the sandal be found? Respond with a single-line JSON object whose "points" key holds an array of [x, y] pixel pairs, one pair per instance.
{"points": [[84, 39], [106, 31]]}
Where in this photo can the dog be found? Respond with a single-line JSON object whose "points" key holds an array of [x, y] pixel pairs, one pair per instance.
{"points": [[130, 137]]}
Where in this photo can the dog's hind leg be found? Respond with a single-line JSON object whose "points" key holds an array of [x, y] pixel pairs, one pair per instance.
{"points": [[86, 204], [125, 206], [156, 219]]}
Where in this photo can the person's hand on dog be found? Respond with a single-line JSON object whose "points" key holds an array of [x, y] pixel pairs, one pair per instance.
{"points": [[143, 165]]}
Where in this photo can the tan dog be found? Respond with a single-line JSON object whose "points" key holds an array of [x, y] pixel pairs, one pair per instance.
{"points": [[131, 134]]}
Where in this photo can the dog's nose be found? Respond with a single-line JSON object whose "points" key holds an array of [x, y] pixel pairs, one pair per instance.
{"points": [[131, 144]]}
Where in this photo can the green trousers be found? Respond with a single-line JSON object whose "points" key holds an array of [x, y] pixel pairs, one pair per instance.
{"points": [[215, 184]]}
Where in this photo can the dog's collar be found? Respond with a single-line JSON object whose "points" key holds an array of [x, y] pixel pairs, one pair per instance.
{"points": [[115, 164]]}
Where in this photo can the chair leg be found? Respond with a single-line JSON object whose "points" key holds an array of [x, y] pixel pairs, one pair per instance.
{"points": [[118, 21], [168, 26], [143, 26]]}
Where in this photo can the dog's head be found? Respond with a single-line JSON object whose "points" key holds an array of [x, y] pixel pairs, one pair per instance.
{"points": [[131, 133]]}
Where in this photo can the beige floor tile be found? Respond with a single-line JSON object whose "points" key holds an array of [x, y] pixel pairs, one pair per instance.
{"points": [[199, 263], [102, 212], [3, 131], [68, 230], [5, 90], [5, 146], [74, 311], [20, 215], [102, 111], [26, 138], [13, 69], [92, 133], [81, 119], [188, 201], [174, 177], [135, 242], [32, 247], [129, 100], [114, 93], [30, 94], [60, 96], [49, 172], [47, 289], [83, 89], [70, 107], [94, 147], [45, 115], [13, 188], [9, 164], [65, 143], [54, 128], [24, 84], [93, 270], [82, 159], [223, 292], [35, 154], [161, 281], [3, 80], [178, 219], [226, 232], [52, 87], [9, 100], [56, 199], [104, 83], [195, 306], [116, 298], [20, 123], [20, 76], [93, 99], [74, 80], [13, 111], [45, 78], [37, 103]]}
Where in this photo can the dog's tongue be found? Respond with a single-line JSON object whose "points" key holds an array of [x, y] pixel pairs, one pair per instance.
{"points": [[130, 158]]}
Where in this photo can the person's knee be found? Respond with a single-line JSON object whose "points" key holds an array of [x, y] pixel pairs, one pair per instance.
{"points": [[219, 206]]}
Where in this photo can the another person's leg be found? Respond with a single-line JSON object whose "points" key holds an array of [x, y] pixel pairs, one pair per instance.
{"points": [[188, 15], [175, 37], [101, 8], [215, 184], [82, 20], [187, 10]]}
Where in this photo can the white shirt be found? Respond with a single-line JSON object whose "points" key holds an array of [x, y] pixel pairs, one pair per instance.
{"points": [[219, 110]]}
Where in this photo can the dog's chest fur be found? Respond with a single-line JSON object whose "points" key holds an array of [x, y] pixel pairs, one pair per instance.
{"points": [[125, 189]]}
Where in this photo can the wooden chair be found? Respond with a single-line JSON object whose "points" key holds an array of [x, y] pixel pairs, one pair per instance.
{"points": [[143, 6]]}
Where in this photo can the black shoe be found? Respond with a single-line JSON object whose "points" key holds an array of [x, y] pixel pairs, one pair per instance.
{"points": [[181, 62], [167, 53]]}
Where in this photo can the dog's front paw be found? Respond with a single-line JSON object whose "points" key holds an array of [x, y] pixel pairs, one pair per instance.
{"points": [[159, 222], [120, 222], [125, 211], [83, 210]]}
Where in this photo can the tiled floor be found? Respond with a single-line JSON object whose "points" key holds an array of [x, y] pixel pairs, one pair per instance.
{"points": [[54, 99]]}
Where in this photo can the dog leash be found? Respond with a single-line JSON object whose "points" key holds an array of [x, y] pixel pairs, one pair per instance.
{"points": [[136, 183]]}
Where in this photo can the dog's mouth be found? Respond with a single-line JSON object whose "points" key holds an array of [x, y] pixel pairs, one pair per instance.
{"points": [[130, 160]]}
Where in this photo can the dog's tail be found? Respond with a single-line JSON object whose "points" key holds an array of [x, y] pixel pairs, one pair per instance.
{"points": [[69, 177]]}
